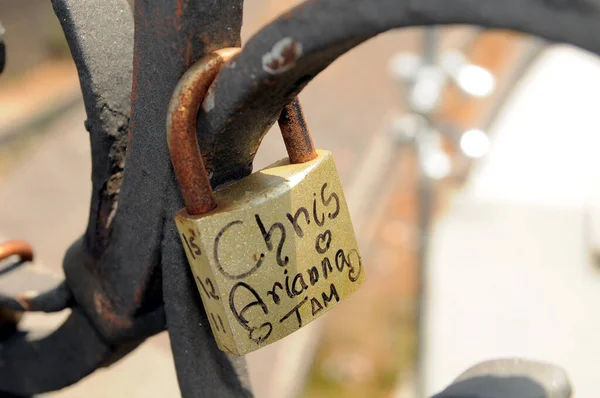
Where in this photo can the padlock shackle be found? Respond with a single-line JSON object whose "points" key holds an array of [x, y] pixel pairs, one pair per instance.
{"points": [[182, 138], [296, 137], [16, 248]]}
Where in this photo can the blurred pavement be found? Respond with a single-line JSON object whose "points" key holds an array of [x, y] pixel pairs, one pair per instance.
{"points": [[510, 270]]}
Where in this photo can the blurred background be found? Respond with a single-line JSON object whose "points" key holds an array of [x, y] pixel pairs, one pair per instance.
{"points": [[469, 163]]}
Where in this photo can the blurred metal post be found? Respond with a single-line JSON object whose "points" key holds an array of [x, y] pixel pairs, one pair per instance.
{"points": [[425, 76], [2, 49]]}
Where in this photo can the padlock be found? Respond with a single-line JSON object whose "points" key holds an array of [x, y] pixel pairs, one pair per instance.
{"points": [[270, 252]]}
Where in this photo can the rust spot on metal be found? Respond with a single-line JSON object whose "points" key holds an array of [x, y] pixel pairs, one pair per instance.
{"points": [[16, 248], [104, 309], [296, 136], [138, 294], [207, 40], [282, 57], [179, 9], [186, 158], [188, 53]]}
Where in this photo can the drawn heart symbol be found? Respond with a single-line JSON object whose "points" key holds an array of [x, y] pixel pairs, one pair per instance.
{"points": [[324, 238], [262, 334]]}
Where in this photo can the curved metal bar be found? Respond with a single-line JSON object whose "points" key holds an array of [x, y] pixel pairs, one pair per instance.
{"points": [[31, 366], [284, 56], [53, 300], [296, 136], [16, 248], [181, 131], [100, 36]]}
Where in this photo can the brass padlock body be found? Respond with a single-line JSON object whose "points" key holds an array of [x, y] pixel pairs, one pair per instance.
{"points": [[278, 252]]}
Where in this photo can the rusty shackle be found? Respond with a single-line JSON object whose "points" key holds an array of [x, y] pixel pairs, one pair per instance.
{"points": [[16, 248], [182, 140]]}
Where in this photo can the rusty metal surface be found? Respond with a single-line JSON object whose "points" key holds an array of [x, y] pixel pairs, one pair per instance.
{"points": [[9, 318], [16, 248], [296, 136], [127, 278], [181, 131], [186, 157]]}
